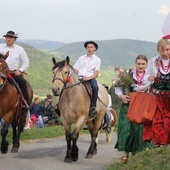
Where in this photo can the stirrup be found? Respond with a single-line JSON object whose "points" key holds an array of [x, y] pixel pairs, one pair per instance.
{"points": [[24, 104]]}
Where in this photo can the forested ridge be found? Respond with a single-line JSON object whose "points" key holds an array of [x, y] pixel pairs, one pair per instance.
{"points": [[120, 52]]}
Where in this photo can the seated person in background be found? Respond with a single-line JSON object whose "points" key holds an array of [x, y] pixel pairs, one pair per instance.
{"points": [[34, 110], [45, 112]]}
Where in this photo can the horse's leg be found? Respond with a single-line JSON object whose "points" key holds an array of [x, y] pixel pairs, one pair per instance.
{"points": [[79, 125], [4, 143], [68, 139], [21, 123], [74, 150], [68, 152], [15, 136], [97, 139], [109, 135], [93, 146]]}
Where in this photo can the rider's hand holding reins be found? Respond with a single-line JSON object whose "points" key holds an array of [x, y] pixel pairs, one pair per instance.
{"points": [[17, 73]]}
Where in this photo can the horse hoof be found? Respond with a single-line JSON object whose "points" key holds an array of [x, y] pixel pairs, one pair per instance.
{"points": [[4, 148], [75, 159], [108, 141], [95, 152], [89, 156], [4, 151], [67, 160], [14, 150]]}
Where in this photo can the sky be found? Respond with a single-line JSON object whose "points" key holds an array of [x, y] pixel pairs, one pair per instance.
{"points": [[82, 20]]}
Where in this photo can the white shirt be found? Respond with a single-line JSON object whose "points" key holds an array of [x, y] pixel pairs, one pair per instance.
{"points": [[152, 69], [86, 65], [17, 56]]}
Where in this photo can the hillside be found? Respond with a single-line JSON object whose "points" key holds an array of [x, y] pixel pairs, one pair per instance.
{"points": [[112, 52], [43, 44], [119, 52]]}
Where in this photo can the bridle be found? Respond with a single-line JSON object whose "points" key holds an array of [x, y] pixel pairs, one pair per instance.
{"points": [[62, 80], [68, 79]]}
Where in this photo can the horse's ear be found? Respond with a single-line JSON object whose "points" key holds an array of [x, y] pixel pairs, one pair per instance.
{"points": [[67, 60], [54, 61], [6, 55]]}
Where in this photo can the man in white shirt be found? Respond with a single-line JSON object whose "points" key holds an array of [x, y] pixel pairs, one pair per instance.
{"points": [[88, 67], [17, 61]]}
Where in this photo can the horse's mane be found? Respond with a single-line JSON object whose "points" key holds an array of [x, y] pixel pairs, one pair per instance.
{"points": [[61, 64]]}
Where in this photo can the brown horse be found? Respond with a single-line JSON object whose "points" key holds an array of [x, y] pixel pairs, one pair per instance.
{"points": [[10, 107], [74, 104]]}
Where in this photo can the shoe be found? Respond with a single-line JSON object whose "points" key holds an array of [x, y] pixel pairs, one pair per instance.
{"points": [[26, 127], [124, 159], [93, 113]]}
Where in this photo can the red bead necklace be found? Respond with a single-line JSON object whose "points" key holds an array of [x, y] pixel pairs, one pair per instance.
{"points": [[165, 69], [139, 77]]}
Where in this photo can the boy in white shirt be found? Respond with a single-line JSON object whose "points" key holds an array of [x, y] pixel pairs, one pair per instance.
{"points": [[88, 67]]}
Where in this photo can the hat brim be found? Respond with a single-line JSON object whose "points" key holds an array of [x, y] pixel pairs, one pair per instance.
{"points": [[10, 35], [91, 42]]}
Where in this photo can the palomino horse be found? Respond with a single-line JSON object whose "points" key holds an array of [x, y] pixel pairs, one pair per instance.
{"points": [[104, 126], [74, 104], [10, 107]]}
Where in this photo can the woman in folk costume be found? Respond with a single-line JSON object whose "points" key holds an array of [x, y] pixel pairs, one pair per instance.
{"points": [[159, 69], [129, 135]]}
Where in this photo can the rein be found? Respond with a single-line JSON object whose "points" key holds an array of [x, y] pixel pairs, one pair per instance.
{"points": [[3, 76], [1, 87]]}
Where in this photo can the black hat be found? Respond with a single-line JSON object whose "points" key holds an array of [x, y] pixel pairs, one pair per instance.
{"points": [[47, 99], [10, 34], [91, 42]]}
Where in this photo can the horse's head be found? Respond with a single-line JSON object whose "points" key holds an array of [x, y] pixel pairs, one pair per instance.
{"points": [[61, 71]]}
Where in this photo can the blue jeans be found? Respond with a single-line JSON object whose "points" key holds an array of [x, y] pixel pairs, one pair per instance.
{"points": [[41, 121], [95, 90], [1, 122]]}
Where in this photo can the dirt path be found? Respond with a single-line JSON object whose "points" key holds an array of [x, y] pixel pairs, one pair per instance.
{"points": [[49, 155]]}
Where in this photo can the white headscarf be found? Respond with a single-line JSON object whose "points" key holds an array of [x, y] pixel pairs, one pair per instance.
{"points": [[166, 27]]}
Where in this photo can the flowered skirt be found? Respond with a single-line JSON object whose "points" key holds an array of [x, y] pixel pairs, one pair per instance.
{"points": [[129, 135], [159, 130]]}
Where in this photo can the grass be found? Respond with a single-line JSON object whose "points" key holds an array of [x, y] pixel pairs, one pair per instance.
{"points": [[40, 133], [155, 159]]}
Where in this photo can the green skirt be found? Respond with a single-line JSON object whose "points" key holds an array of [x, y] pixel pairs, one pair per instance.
{"points": [[129, 135]]}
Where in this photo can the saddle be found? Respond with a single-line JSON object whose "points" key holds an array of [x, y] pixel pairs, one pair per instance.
{"points": [[13, 82], [88, 89]]}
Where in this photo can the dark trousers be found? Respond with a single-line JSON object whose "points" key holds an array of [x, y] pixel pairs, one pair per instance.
{"points": [[23, 86], [95, 90]]}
